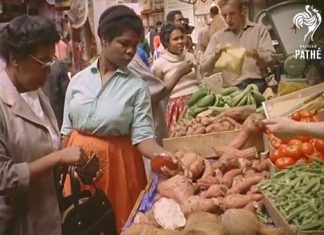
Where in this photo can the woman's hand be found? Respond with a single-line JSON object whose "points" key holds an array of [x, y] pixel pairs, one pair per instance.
{"points": [[283, 128], [72, 156], [181, 169], [185, 67]]}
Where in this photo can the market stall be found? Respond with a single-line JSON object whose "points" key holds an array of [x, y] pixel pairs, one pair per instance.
{"points": [[234, 184]]}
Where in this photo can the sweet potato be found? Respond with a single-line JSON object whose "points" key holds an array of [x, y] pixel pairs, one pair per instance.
{"points": [[238, 200], [146, 218], [229, 176], [206, 182], [142, 229], [208, 169], [178, 187], [168, 214], [263, 165], [245, 185], [199, 204], [203, 223], [239, 114], [249, 172], [215, 190]]}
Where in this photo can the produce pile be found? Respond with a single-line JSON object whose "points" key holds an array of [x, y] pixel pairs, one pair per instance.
{"points": [[204, 99], [298, 193], [213, 186], [232, 222], [231, 119], [300, 149]]}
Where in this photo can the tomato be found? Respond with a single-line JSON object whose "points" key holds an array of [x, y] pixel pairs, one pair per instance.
{"points": [[316, 118], [308, 149], [275, 143], [308, 119], [304, 138], [275, 156], [305, 114], [319, 145], [282, 151], [294, 141], [294, 151], [284, 162], [296, 116], [161, 161]]}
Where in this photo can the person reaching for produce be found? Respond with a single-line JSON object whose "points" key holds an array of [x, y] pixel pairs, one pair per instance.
{"points": [[172, 37], [29, 137], [108, 112], [240, 33], [286, 128]]}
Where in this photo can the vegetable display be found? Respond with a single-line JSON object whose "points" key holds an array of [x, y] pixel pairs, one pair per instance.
{"points": [[204, 99], [228, 120], [298, 193], [301, 149]]}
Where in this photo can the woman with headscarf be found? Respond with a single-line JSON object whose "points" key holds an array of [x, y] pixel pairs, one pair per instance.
{"points": [[29, 137], [108, 112]]}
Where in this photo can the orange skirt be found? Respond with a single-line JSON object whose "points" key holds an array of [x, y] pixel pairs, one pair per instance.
{"points": [[174, 111], [123, 171]]}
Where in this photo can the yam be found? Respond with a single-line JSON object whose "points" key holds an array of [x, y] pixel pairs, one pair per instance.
{"points": [[168, 214], [199, 204], [142, 229], [203, 223]]}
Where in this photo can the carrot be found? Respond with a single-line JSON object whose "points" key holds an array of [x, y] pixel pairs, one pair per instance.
{"points": [[229, 176], [238, 200], [245, 185]]}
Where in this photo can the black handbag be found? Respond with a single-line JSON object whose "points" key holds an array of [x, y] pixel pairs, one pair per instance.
{"points": [[84, 213]]}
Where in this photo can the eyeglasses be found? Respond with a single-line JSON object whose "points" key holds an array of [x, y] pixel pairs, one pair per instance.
{"points": [[45, 64]]}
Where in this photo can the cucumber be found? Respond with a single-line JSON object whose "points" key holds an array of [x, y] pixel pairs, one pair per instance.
{"points": [[259, 98], [197, 95], [248, 101], [206, 101], [228, 90], [196, 110], [237, 99], [252, 99], [217, 100], [254, 87], [218, 110], [243, 100]]}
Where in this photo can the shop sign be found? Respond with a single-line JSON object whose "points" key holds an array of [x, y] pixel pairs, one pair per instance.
{"points": [[310, 19]]}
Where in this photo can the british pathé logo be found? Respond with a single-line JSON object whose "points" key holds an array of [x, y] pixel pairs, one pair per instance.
{"points": [[312, 19]]}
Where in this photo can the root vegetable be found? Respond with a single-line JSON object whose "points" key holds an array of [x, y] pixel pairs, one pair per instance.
{"points": [[251, 128], [147, 218], [168, 214], [229, 176], [178, 188], [203, 223], [262, 166], [240, 221], [199, 204], [254, 206], [208, 169], [238, 200], [245, 185], [194, 163], [240, 114], [215, 190], [249, 172], [265, 174], [206, 182], [142, 229]]}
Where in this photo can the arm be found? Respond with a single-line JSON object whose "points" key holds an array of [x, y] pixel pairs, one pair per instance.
{"points": [[66, 129], [211, 55], [17, 176], [285, 128], [142, 125], [263, 54]]}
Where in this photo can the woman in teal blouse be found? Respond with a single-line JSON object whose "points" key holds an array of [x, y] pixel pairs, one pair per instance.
{"points": [[108, 112]]}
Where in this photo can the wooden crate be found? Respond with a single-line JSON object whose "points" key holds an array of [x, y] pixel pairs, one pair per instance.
{"points": [[278, 106], [279, 220], [202, 144], [138, 202]]}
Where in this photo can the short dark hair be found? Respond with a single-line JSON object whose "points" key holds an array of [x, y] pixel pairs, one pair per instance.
{"points": [[214, 10], [116, 19], [171, 16], [166, 31], [23, 35]]}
